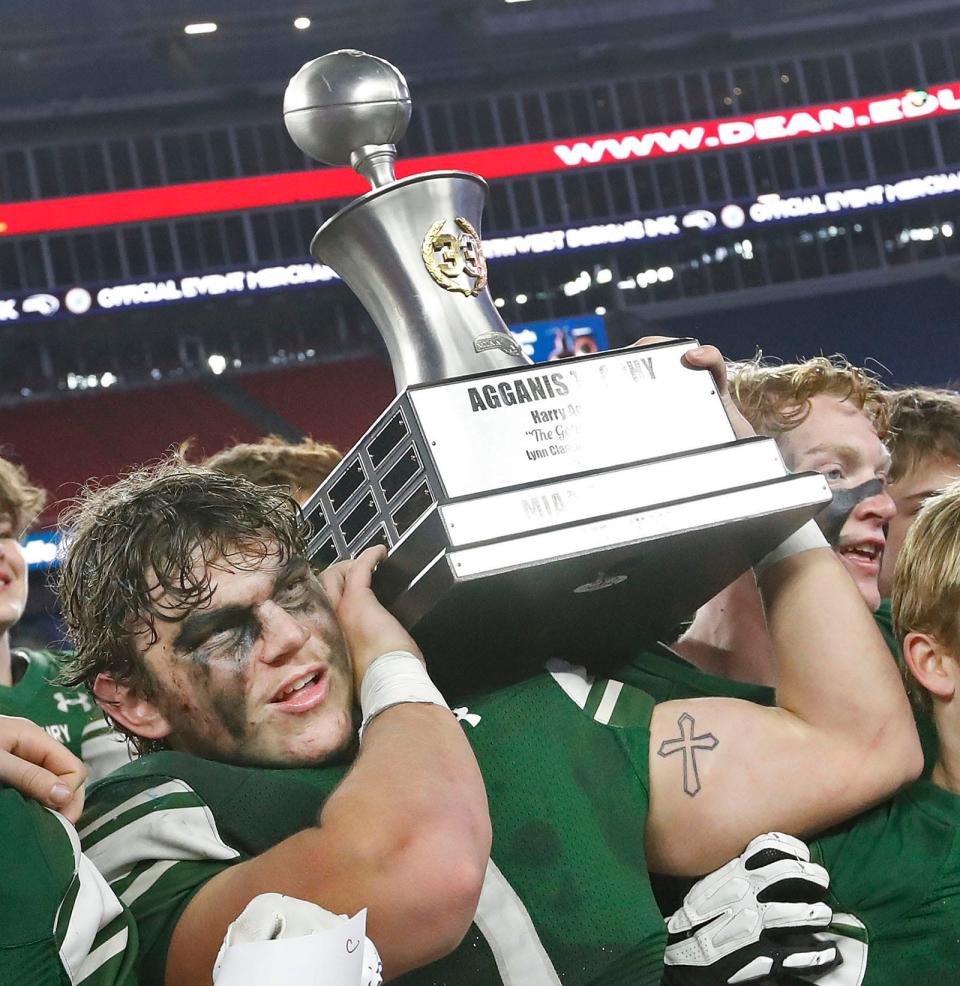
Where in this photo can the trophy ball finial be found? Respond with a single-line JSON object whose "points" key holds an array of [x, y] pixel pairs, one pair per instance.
{"points": [[348, 107]]}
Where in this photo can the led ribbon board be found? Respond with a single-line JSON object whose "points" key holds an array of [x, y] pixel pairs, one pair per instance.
{"points": [[296, 187]]}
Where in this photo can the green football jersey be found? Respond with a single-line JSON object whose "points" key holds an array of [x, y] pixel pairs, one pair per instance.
{"points": [[883, 616], [666, 676], [60, 924], [925, 727], [566, 898], [895, 890], [69, 715], [895, 871]]}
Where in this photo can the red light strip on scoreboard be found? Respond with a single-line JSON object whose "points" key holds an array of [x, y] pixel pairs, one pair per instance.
{"points": [[291, 188]]}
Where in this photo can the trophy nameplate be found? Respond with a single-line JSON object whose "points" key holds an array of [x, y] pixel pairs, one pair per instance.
{"points": [[576, 509]]}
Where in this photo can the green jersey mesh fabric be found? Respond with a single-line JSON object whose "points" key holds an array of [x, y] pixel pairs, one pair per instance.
{"points": [[69, 715], [896, 871], [59, 923], [567, 896]]}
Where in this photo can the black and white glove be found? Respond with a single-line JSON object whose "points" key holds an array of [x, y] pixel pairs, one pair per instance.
{"points": [[756, 917]]}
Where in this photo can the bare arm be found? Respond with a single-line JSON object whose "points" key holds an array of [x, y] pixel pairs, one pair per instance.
{"points": [[406, 834], [841, 739]]}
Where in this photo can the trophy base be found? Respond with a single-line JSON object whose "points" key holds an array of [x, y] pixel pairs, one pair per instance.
{"points": [[579, 509], [592, 593]]}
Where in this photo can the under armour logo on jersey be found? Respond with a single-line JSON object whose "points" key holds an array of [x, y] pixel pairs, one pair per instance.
{"points": [[64, 702], [465, 715]]}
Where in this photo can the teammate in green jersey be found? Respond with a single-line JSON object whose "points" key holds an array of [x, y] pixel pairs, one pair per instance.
{"points": [[924, 443], [196, 623], [924, 446], [408, 826], [27, 676], [69, 715], [829, 417], [825, 415], [60, 924], [811, 409], [895, 871], [564, 897]]}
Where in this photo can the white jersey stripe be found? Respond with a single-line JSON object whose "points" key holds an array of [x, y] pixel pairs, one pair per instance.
{"points": [[508, 928], [572, 678], [103, 752], [94, 908], [172, 787], [146, 880], [171, 833], [98, 725], [103, 954], [609, 701]]}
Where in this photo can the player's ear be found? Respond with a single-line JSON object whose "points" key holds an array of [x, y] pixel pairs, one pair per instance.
{"points": [[931, 664], [130, 709]]}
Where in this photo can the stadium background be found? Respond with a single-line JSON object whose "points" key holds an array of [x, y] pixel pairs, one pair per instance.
{"points": [[117, 339]]}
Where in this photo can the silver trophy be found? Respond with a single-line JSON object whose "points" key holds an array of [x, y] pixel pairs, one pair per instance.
{"points": [[580, 508]]}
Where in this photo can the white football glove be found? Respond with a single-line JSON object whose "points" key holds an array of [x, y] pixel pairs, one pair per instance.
{"points": [[754, 917], [270, 917]]}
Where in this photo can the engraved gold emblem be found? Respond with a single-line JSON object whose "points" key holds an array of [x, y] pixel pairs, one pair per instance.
{"points": [[455, 262]]}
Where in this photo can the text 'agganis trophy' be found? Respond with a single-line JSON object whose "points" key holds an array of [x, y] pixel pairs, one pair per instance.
{"points": [[577, 509]]}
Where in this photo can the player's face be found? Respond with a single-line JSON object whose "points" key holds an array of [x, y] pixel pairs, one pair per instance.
{"points": [[909, 493], [260, 674], [13, 576], [839, 441]]}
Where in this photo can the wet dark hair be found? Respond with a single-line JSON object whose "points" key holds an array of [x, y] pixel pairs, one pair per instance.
{"points": [[131, 558]]}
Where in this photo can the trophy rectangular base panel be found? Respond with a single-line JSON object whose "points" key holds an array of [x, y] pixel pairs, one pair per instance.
{"points": [[492, 628], [474, 437]]}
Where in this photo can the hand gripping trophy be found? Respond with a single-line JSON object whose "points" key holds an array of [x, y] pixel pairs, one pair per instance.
{"points": [[578, 509]]}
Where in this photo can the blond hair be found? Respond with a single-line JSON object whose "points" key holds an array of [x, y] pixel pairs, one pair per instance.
{"points": [[776, 398], [926, 583], [298, 467], [20, 500], [924, 424]]}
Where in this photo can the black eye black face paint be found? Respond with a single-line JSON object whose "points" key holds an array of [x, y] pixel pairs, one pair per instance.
{"points": [[834, 515]]}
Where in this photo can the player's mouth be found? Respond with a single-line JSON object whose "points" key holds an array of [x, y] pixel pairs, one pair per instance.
{"points": [[863, 556], [5, 580], [304, 692]]}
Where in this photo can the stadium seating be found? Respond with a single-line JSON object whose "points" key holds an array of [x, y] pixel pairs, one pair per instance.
{"points": [[97, 435], [334, 402]]}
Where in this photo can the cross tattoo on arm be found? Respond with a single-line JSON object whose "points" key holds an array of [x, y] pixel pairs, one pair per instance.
{"points": [[688, 743]]}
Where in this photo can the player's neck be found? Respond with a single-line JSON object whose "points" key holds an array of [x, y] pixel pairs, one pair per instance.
{"points": [[729, 636], [946, 771], [6, 660]]}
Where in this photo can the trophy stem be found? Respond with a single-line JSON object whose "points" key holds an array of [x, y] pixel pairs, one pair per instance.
{"points": [[375, 163]]}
